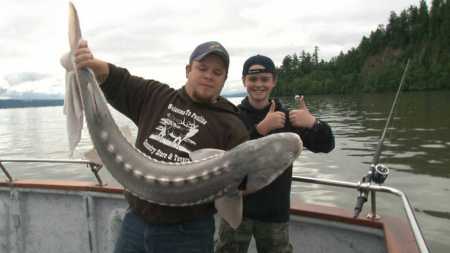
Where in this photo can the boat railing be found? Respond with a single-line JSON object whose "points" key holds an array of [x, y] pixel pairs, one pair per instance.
{"points": [[370, 187], [95, 167], [360, 186]]}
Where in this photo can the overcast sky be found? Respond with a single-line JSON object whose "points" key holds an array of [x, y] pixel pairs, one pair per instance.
{"points": [[154, 39]]}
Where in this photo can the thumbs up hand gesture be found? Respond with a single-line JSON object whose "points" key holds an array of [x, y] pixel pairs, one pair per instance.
{"points": [[273, 120], [301, 117]]}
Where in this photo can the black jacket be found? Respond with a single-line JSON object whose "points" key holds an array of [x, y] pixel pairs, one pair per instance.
{"points": [[170, 125], [271, 204]]}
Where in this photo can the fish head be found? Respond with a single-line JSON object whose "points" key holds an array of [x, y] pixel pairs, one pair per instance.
{"points": [[269, 157]]}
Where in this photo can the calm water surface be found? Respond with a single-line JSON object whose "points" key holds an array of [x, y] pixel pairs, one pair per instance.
{"points": [[416, 150]]}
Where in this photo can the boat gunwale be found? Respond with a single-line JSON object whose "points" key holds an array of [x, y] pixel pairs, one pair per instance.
{"points": [[398, 235]]}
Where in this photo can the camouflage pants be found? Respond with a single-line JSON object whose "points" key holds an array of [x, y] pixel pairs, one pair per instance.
{"points": [[269, 237]]}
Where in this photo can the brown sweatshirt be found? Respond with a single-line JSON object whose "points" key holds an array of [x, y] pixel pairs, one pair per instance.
{"points": [[170, 126]]}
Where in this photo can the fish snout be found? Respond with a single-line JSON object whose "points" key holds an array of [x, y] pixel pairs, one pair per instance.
{"points": [[286, 143], [274, 154], [292, 146], [297, 145]]}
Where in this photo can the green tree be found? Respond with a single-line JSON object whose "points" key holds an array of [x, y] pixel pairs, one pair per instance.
{"points": [[421, 34]]}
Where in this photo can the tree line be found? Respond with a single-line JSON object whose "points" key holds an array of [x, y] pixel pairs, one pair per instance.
{"points": [[419, 33]]}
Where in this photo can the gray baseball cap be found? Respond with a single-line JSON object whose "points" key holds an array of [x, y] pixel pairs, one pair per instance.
{"points": [[210, 47]]}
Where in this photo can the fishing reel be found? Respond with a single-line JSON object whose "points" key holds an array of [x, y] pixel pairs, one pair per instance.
{"points": [[378, 173]]}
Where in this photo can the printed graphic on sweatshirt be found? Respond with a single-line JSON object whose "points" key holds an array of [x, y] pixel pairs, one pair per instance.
{"points": [[175, 130]]}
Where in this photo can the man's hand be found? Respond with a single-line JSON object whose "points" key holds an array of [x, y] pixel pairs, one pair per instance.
{"points": [[301, 117], [85, 59], [273, 120]]}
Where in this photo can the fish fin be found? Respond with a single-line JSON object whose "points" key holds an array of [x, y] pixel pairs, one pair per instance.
{"points": [[204, 153], [92, 156], [230, 208], [126, 131]]}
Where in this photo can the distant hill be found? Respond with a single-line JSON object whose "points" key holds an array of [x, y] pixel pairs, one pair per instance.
{"points": [[238, 93], [418, 33], [19, 103]]}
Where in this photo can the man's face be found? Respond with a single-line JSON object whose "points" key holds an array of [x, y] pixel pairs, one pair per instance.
{"points": [[205, 78], [259, 85]]}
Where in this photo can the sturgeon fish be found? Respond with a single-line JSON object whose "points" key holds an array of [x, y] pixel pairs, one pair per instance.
{"points": [[211, 175]]}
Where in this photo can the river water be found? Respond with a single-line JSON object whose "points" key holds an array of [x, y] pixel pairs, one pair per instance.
{"points": [[416, 150]]}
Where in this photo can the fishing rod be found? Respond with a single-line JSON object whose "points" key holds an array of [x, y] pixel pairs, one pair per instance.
{"points": [[378, 172], [376, 157]]}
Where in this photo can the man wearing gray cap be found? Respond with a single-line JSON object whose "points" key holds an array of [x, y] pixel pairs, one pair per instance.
{"points": [[171, 124]]}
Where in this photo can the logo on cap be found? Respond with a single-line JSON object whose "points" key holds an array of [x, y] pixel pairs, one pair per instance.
{"points": [[266, 62]]}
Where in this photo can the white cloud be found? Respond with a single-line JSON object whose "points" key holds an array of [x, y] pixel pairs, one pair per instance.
{"points": [[154, 38]]}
